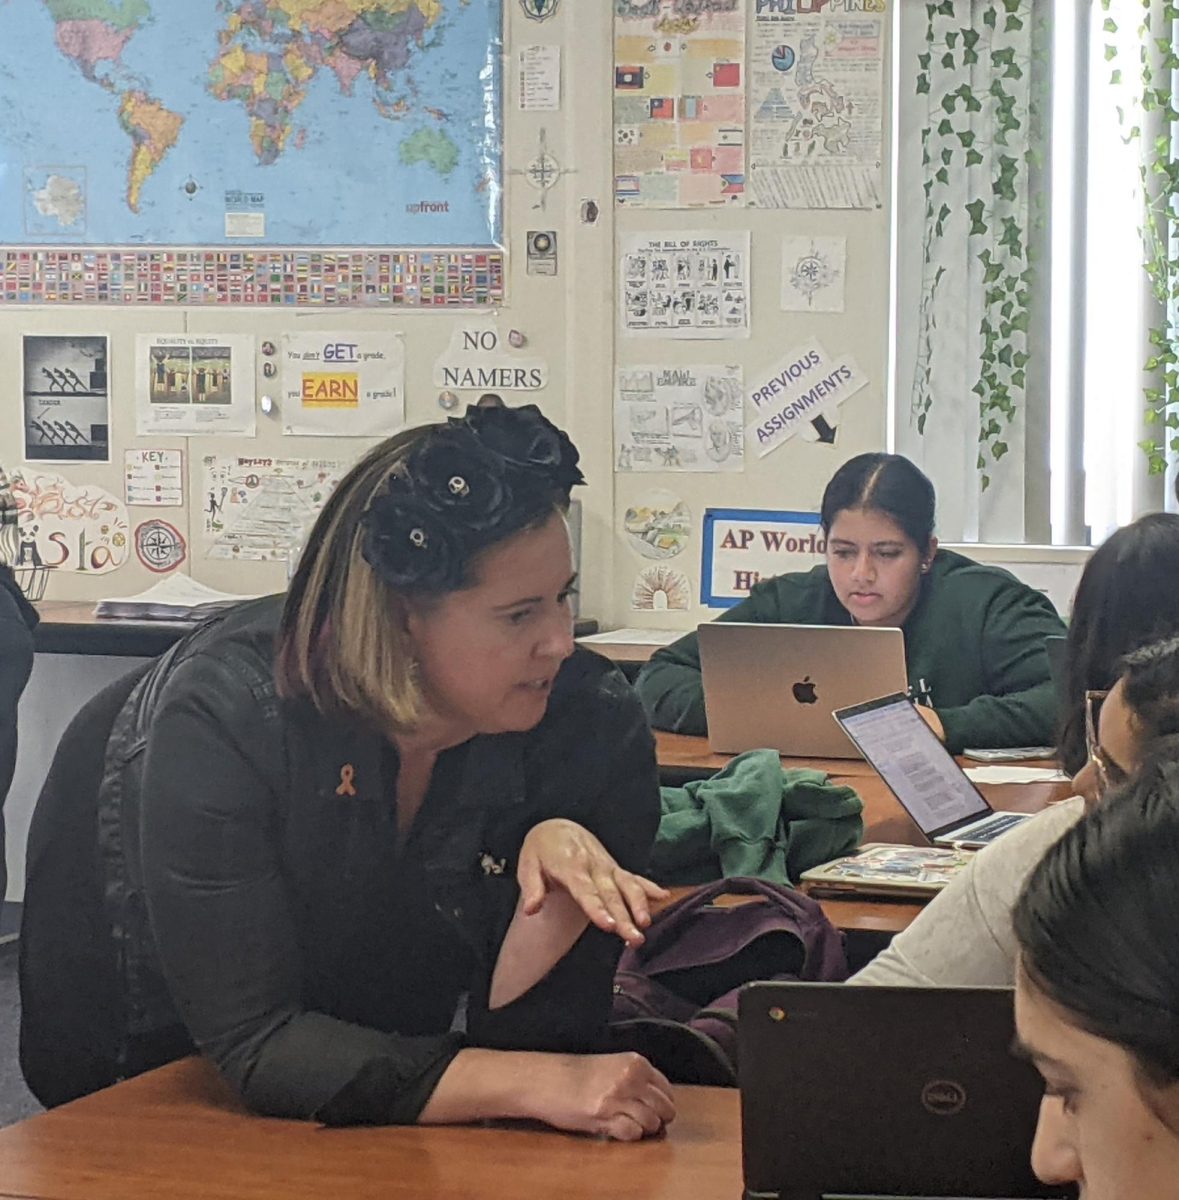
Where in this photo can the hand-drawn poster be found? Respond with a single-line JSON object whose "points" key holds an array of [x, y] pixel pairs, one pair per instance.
{"points": [[813, 272], [816, 107], [661, 589], [679, 103], [259, 508], [195, 385], [685, 285], [160, 546], [64, 526], [154, 478], [658, 524], [683, 418], [343, 384], [67, 398], [801, 394]]}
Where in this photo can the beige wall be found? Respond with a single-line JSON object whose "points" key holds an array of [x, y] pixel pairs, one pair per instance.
{"points": [[568, 320]]}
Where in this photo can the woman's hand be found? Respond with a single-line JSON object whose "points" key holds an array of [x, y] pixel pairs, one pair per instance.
{"points": [[618, 1096], [562, 854]]}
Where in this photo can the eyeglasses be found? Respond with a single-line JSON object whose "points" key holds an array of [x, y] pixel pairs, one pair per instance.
{"points": [[1108, 772]]}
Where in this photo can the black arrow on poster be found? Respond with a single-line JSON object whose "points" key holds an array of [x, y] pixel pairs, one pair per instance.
{"points": [[826, 432]]}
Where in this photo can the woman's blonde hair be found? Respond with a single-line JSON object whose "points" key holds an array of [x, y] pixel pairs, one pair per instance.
{"points": [[343, 640]]}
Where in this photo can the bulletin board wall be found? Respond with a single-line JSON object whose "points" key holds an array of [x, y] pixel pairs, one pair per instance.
{"points": [[571, 228]]}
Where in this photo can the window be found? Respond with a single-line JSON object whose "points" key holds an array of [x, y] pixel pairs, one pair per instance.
{"points": [[1074, 470]]}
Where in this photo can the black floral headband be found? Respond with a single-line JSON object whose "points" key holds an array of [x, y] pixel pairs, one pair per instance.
{"points": [[468, 484]]}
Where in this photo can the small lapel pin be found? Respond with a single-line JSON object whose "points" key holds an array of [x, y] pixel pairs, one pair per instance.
{"points": [[492, 866], [347, 774]]}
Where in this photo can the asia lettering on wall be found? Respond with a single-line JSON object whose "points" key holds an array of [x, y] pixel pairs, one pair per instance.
{"points": [[64, 526]]}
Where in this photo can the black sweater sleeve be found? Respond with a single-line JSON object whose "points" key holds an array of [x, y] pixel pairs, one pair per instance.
{"points": [[222, 923], [594, 763]]}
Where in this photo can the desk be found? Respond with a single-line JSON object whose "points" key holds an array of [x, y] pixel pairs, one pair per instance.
{"points": [[681, 756], [179, 1133], [70, 627]]}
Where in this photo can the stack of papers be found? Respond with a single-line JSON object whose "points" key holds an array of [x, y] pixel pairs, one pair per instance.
{"points": [[177, 598], [634, 637]]}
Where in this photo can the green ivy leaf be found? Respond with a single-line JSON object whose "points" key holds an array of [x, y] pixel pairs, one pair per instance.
{"points": [[975, 211]]}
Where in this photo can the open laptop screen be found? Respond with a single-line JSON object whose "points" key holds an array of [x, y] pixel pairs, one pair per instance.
{"points": [[908, 756]]}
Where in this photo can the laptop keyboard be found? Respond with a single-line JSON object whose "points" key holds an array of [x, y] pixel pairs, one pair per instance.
{"points": [[996, 826]]}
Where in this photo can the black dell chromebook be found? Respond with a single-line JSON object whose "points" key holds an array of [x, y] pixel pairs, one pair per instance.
{"points": [[877, 1092]]}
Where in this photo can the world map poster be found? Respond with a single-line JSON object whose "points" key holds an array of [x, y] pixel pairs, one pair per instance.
{"points": [[250, 122]]}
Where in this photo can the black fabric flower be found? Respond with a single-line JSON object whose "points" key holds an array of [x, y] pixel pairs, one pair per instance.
{"points": [[526, 438], [465, 486], [461, 478], [412, 545]]}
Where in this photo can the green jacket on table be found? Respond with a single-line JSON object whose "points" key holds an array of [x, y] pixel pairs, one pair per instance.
{"points": [[976, 636]]}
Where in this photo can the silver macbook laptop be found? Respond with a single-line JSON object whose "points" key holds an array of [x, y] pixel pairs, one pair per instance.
{"points": [[922, 773], [775, 686], [884, 1092]]}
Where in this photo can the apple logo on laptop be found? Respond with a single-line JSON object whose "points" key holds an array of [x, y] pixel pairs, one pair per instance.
{"points": [[804, 691]]}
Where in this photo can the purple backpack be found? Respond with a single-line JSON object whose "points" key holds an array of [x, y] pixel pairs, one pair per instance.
{"points": [[675, 997]]}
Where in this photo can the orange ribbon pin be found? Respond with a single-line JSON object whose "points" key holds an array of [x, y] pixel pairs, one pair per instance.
{"points": [[347, 774]]}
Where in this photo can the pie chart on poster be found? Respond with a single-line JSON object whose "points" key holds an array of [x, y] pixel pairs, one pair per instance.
{"points": [[782, 58]]}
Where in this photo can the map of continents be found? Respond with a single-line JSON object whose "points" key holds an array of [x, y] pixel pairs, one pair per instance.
{"points": [[256, 122]]}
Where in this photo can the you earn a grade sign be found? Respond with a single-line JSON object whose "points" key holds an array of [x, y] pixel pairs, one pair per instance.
{"points": [[744, 545]]}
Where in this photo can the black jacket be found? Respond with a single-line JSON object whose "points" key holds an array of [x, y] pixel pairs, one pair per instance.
{"points": [[256, 891]]}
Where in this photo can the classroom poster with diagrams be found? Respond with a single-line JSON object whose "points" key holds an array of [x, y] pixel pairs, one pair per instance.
{"points": [[685, 285], [343, 385], [261, 508], [679, 104], [66, 399], [816, 107], [682, 418], [194, 385]]}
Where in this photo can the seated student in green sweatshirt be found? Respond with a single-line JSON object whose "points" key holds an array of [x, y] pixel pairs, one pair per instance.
{"points": [[973, 633]]}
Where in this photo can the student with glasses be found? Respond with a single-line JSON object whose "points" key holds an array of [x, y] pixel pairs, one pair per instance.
{"points": [[964, 937], [1126, 598], [1097, 983]]}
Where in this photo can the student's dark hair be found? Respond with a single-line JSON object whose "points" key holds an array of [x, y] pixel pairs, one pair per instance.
{"points": [[1095, 922], [1151, 689], [886, 483], [1128, 595]]}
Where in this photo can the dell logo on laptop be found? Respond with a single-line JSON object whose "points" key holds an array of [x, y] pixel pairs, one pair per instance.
{"points": [[943, 1097]]}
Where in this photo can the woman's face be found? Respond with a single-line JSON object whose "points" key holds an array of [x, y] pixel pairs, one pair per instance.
{"points": [[1116, 750], [487, 656], [875, 567], [1100, 1125]]}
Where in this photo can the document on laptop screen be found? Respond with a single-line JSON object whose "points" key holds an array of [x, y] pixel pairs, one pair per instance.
{"points": [[918, 768]]}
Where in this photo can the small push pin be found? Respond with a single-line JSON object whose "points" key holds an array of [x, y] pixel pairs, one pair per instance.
{"points": [[447, 400], [266, 404], [516, 339]]}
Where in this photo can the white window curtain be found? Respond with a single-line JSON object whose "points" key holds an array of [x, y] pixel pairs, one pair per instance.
{"points": [[1018, 267]]}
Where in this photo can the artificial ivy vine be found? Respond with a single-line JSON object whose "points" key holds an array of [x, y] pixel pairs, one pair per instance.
{"points": [[1159, 174], [976, 153]]}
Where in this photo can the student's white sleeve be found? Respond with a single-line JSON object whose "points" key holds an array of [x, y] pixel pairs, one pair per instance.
{"points": [[963, 938]]}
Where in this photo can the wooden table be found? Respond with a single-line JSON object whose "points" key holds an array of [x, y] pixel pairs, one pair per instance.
{"points": [[178, 1133], [681, 756]]}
